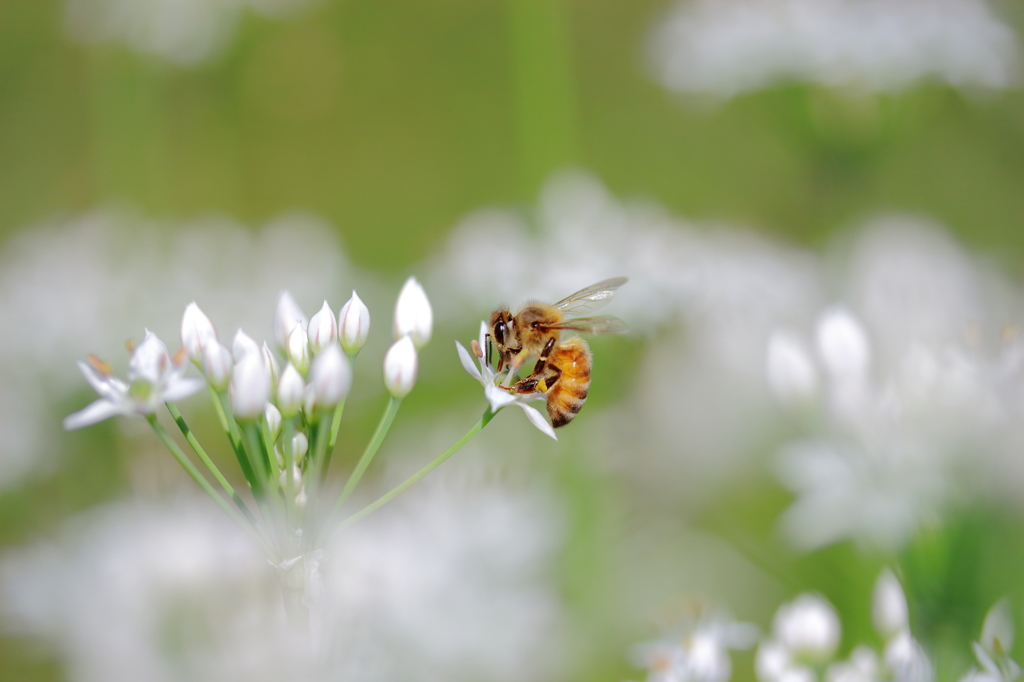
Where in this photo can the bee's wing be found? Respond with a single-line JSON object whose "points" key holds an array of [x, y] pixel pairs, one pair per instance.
{"points": [[601, 324], [592, 298]]}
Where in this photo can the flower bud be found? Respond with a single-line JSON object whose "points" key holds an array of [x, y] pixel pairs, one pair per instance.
{"points": [[323, 329], [272, 367], [413, 315], [217, 365], [889, 605], [250, 387], [242, 345], [287, 315], [843, 344], [791, 373], [274, 421], [808, 627], [400, 365], [298, 349], [353, 324], [300, 444], [295, 475], [330, 377], [197, 332], [290, 390]]}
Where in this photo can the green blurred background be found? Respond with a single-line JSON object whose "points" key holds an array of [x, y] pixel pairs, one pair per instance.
{"points": [[393, 120]]}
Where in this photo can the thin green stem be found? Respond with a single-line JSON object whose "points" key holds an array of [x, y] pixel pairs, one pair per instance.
{"points": [[335, 428], [371, 450], [400, 488], [201, 453], [192, 471], [227, 422]]}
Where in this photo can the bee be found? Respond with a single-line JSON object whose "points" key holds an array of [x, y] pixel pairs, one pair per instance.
{"points": [[562, 372]]}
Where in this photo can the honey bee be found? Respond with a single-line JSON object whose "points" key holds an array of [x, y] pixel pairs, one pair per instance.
{"points": [[562, 372]]}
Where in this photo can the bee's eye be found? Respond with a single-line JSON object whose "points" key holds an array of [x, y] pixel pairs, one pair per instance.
{"points": [[499, 332]]}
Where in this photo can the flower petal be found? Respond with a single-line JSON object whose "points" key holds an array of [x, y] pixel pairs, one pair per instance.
{"points": [[498, 398], [95, 412], [107, 385], [182, 388], [467, 361], [537, 420]]}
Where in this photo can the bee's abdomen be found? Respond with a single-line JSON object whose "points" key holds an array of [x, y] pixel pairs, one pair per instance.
{"points": [[569, 392]]}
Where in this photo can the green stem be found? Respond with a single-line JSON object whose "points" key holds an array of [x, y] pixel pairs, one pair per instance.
{"points": [[201, 453], [371, 450], [400, 488], [227, 422], [335, 427], [192, 471]]}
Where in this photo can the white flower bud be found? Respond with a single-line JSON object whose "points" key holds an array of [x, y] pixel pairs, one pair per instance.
{"points": [[295, 476], [843, 344], [997, 631], [242, 345], [323, 329], [330, 377], [400, 365], [301, 499], [300, 444], [274, 421], [250, 387], [413, 315], [290, 390], [889, 605], [808, 627], [197, 332], [279, 456], [791, 373], [353, 324], [287, 315], [272, 367], [217, 365], [298, 349]]}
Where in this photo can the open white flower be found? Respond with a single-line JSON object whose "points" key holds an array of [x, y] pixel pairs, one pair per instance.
{"points": [[993, 650], [499, 397], [154, 377], [697, 650]]}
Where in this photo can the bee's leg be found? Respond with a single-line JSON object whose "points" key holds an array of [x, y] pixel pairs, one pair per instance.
{"points": [[487, 350], [542, 361]]}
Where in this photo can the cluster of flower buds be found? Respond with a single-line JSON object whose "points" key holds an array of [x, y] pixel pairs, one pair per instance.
{"points": [[280, 406]]}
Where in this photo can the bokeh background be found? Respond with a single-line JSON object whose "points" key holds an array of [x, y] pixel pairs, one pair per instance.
{"points": [[819, 205]]}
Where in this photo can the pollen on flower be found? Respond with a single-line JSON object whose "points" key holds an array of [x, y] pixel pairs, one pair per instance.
{"points": [[474, 346]]}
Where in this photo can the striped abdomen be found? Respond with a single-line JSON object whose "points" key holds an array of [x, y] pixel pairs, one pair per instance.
{"points": [[567, 395]]}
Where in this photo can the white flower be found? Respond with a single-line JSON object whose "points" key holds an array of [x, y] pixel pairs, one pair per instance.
{"points": [[400, 367], [353, 324], [808, 627], [287, 315], [698, 651], [250, 387], [272, 415], [323, 328], [993, 651], [154, 377], [725, 47], [330, 377], [791, 373], [496, 396], [217, 365], [413, 314], [197, 332]]}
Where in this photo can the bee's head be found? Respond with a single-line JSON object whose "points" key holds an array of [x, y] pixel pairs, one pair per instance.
{"points": [[502, 330]]}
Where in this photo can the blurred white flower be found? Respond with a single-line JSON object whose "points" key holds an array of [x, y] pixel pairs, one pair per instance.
{"points": [[197, 332], [448, 583], [323, 328], [697, 651], [726, 47], [250, 387], [808, 627], [183, 32], [154, 377], [217, 365], [993, 650], [353, 324], [889, 605], [400, 367], [330, 377]]}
